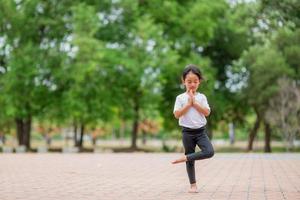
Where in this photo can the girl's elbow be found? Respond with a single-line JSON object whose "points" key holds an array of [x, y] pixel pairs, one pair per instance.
{"points": [[176, 115], [207, 113]]}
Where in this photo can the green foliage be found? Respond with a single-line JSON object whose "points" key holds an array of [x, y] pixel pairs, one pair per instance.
{"points": [[282, 12], [92, 62], [266, 66], [202, 15], [288, 43]]}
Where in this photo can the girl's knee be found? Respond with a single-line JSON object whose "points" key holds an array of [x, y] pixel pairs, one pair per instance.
{"points": [[210, 153], [190, 163]]}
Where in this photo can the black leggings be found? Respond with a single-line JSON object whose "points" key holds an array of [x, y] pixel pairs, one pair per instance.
{"points": [[191, 138]]}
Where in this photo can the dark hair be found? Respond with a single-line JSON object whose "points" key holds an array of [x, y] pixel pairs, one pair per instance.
{"points": [[192, 68]]}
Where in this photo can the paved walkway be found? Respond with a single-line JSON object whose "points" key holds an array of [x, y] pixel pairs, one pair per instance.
{"points": [[147, 176]]}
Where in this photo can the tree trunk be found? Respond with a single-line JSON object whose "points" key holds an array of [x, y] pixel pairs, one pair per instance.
{"points": [[253, 132], [23, 131], [135, 124], [82, 129], [267, 137], [80, 141], [75, 133], [19, 125], [27, 130], [144, 137]]}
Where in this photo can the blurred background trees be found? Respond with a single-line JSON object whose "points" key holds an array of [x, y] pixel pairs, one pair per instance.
{"points": [[114, 65]]}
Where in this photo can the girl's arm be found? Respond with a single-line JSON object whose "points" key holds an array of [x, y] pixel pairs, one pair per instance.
{"points": [[201, 109], [184, 109]]}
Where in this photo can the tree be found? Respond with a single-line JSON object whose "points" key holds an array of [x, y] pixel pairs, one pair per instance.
{"points": [[189, 29], [280, 13], [87, 99], [233, 35], [275, 36], [265, 67], [138, 71], [287, 41], [284, 111], [32, 32]]}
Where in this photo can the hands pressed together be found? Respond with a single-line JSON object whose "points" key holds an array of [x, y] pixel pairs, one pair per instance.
{"points": [[193, 103], [191, 100]]}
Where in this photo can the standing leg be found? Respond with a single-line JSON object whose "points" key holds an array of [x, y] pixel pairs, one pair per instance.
{"points": [[189, 147]]}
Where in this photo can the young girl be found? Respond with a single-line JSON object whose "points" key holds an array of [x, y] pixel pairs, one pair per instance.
{"points": [[191, 108]]}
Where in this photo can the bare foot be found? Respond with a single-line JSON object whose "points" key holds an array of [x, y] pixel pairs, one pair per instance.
{"points": [[193, 188], [182, 159]]}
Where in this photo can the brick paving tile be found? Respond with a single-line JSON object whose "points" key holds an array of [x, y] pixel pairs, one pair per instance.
{"points": [[139, 176]]}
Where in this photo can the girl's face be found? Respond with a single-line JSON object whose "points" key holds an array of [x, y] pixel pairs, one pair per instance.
{"points": [[191, 82]]}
